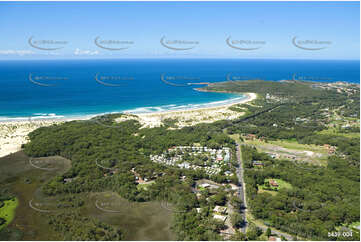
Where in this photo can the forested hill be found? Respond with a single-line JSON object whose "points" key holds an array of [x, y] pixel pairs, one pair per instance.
{"points": [[298, 90]]}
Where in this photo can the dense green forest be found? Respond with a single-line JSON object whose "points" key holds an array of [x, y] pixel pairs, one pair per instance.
{"points": [[320, 200], [126, 147]]}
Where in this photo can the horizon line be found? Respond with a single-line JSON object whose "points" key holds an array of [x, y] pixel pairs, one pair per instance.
{"points": [[175, 58]]}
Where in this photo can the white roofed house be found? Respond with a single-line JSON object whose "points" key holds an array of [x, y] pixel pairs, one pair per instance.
{"points": [[226, 157], [228, 173], [220, 217], [185, 165], [220, 209], [205, 185]]}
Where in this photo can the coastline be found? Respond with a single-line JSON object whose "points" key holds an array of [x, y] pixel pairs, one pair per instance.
{"points": [[190, 117], [248, 97], [15, 133]]}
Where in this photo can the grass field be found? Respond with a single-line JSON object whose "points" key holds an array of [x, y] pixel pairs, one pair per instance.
{"points": [[261, 190], [334, 131], [235, 137], [281, 185], [7, 212], [304, 153], [288, 144], [144, 186]]}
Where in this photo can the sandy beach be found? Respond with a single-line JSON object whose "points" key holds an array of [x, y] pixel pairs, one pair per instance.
{"points": [[15, 133], [194, 116]]}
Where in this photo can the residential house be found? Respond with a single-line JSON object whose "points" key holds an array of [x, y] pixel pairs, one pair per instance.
{"points": [[273, 183], [257, 164], [220, 209], [220, 217]]}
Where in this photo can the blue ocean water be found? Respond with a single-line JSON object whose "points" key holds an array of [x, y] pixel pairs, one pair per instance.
{"points": [[58, 88]]}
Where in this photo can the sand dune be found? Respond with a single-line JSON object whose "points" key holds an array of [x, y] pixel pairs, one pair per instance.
{"points": [[15, 133]]}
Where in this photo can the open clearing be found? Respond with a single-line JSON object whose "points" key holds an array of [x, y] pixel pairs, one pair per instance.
{"points": [[7, 212], [291, 150], [334, 131], [281, 185], [140, 221]]}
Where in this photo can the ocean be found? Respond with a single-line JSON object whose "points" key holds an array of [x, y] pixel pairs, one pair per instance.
{"points": [[71, 88]]}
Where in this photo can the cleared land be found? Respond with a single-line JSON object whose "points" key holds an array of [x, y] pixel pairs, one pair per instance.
{"points": [[291, 150], [141, 221], [7, 212]]}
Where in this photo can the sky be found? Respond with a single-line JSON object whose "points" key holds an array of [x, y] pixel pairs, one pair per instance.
{"points": [[96, 30]]}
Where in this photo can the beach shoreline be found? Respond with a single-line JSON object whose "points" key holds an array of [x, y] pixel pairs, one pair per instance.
{"points": [[248, 97], [14, 133]]}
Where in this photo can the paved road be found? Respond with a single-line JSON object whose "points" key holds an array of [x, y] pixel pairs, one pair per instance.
{"points": [[242, 195], [264, 228], [241, 188]]}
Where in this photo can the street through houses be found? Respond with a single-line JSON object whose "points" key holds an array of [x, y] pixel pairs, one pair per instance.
{"points": [[241, 187], [242, 195]]}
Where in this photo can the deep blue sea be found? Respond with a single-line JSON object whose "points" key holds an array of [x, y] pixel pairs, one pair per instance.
{"points": [[62, 88]]}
